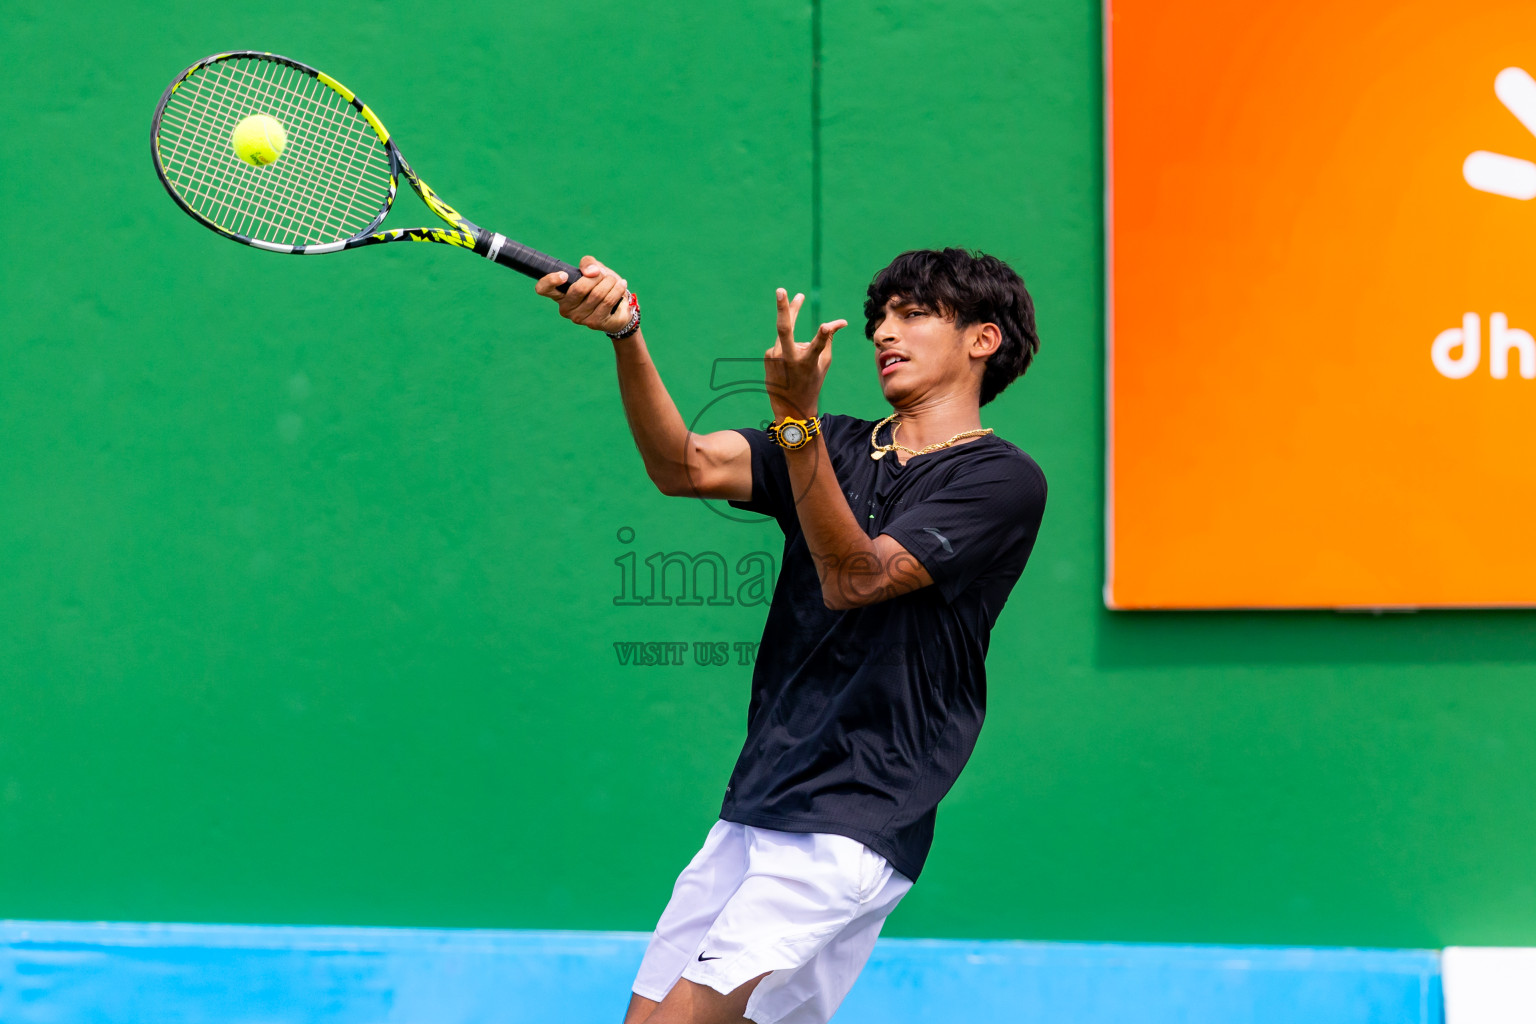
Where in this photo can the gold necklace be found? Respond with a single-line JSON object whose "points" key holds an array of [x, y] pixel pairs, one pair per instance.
{"points": [[880, 450]]}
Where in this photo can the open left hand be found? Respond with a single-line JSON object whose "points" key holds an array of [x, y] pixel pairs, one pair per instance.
{"points": [[793, 371]]}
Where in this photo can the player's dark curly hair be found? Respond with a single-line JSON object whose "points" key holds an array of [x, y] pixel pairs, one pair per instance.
{"points": [[970, 288]]}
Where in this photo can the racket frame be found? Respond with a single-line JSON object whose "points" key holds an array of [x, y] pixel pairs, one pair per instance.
{"points": [[461, 232]]}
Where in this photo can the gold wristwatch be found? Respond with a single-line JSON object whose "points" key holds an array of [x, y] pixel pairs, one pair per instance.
{"points": [[792, 433]]}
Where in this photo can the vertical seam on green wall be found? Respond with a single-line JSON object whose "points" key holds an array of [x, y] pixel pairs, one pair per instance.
{"points": [[816, 161]]}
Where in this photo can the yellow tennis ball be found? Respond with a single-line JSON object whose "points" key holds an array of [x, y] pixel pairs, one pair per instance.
{"points": [[259, 139]]}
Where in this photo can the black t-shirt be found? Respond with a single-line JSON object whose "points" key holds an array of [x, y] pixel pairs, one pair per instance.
{"points": [[861, 720]]}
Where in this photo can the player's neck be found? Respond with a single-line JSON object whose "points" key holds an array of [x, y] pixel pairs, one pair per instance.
{"points": [[935, 420]]}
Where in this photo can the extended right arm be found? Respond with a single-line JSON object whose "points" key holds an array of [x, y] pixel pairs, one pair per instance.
{"points": [[678, 461]]}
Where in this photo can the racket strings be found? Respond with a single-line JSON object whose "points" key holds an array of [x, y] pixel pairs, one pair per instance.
{"points": [[296, 208], [232, 201], [359, 141], [323, 208], [331, 180], [284, 205], [304, 207], [234, 198], [297, 203]]}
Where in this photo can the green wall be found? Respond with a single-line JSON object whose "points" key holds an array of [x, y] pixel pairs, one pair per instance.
{"points": [[313, 568]]}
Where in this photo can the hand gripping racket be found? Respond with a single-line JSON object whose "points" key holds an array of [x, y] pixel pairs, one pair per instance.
{"points": [[333, 179]]}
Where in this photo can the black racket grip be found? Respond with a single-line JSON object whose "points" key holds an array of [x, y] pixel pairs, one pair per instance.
{"points": [[529, 261]]}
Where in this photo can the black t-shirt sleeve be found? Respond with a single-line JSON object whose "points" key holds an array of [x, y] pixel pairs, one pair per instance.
{"points": [[770, 476], [986, 515]]}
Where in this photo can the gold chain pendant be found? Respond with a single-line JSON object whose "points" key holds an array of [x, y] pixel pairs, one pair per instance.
{"points": [[878, 451]]}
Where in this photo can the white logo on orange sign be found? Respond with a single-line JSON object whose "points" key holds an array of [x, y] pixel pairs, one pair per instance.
{"points": [[1494, 172], [1502, 339], [1503, 176]]}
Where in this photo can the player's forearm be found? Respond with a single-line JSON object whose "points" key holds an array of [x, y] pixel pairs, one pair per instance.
{"points": [[845, 557], [657, 426], [595, 299]]}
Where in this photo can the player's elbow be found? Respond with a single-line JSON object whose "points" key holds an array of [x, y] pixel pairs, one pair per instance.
{"points": [[676, 484], [669, 476], [676, 477], [838, 599], [666, 484]]}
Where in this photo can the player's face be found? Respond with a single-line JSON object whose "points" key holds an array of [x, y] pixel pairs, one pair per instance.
{"points": [[919, 354]]}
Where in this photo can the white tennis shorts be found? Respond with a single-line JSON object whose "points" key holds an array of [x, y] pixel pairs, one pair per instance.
{"points": [[805, 906]]}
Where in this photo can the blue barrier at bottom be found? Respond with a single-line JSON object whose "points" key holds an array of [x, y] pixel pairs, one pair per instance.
{"points": [[110, 973]]}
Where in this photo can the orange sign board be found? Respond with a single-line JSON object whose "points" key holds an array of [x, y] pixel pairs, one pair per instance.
{"points": [[1322, 288]]}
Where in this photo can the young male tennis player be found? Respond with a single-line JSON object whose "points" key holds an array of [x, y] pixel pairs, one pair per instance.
{"points": [[902, 540]]}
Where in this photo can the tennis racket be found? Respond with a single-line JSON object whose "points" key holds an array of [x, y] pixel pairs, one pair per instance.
{"points": [[332, 182]]}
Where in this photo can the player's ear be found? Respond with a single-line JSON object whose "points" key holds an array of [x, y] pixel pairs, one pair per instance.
{"points": [[986, 340]]}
